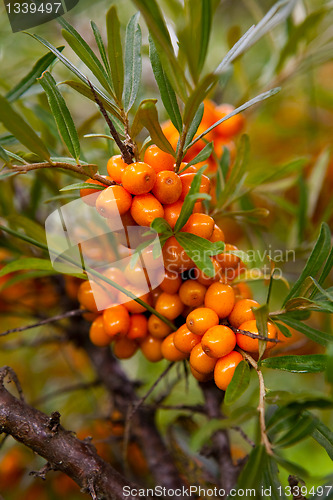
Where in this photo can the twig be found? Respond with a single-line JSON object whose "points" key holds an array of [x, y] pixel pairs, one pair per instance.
{"points": [[254, 335], [261, 406], [295, 489], [68, 314], [125, 153], [42, 472], [8, 371], [244, 435]]}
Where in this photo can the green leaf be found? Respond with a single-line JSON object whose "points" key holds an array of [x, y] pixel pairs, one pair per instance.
{"points": [[115, 52], [82, 185], [200, 250], [87, 56], [270, 480], [205, 28], [202, 156], [190, 200], [252, 473], [194, 125], [168, 95], [160, 34], [237, 172], [243, 107], [327, 268], [318, 257], [298, 401], [302, 429], [3, 155], [16, 124], [318, 336], [61, 114], [30, 227], [26, 264], [87, 92], [261, 315], [291, 467], [239, 383], [222, 170], [101, 48], [283, 329], [161, 226], [149, 119], [71, 67], [316, 180], [198, 95], [137, 124], [323, 435], [312, 363], [41, 65], [133, 64]]}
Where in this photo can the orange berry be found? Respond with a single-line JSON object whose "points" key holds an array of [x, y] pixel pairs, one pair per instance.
{"points": [[170, 351], [185, 340], [252, 345], [172, 212], [233, 125], [145, 208], [169, 305], [136, 274], [89, 316], [175, 257], [199, 360], [201, 319], [158, 159], [167, 187], [115, 167], [206, 280], [242, 312], [116, 321], [225, 369], [124, 348], [217, 235], [192, 293], [242, 291], [201, 377], [151, 348], [228, 260], [218, 341], [84, 193], [86, 297], [171, 282], [138, 329], [200, 225], [97, 334], [220, 298], [96, 297], [187, 179], [157, 328], [115, 274], [112, 201], [132, 305], [138, 178]]}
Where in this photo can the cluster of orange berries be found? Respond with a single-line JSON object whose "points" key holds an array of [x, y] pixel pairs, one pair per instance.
{"points": [[208, 311]]}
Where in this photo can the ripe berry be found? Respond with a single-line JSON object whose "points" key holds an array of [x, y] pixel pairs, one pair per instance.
{"points": [[252, 345], [172, 213], [199, 360], [242, 312], [175, 257], [171, 282], [158, 159], [225, 369], [206, 280], [97, 334], [167, 187], [218, 234], [185, 340], [169, 305], [87, 194], [138, 328], [201, 377], [112, 201], [145, 208], [157, 328], [192, 293], [116, 321], [200, 225], [187, 179], [220, 298], [228, 260], [124, 348], [201, 319], [233, 125], [218, 341], [96, 297], [151, 349], [170, 351], [132, 305], [115, 167], [138, 178]]}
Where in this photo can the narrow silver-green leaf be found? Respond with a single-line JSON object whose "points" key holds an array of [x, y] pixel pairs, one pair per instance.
{"points": [[115, 52], [16, 124], [26, 264], [133, 63], [41, 65], [4, 156], [101, 48], [168, 95], [205, 28], [239, 383], [61, 114], [311, 363], [149, 118]]}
